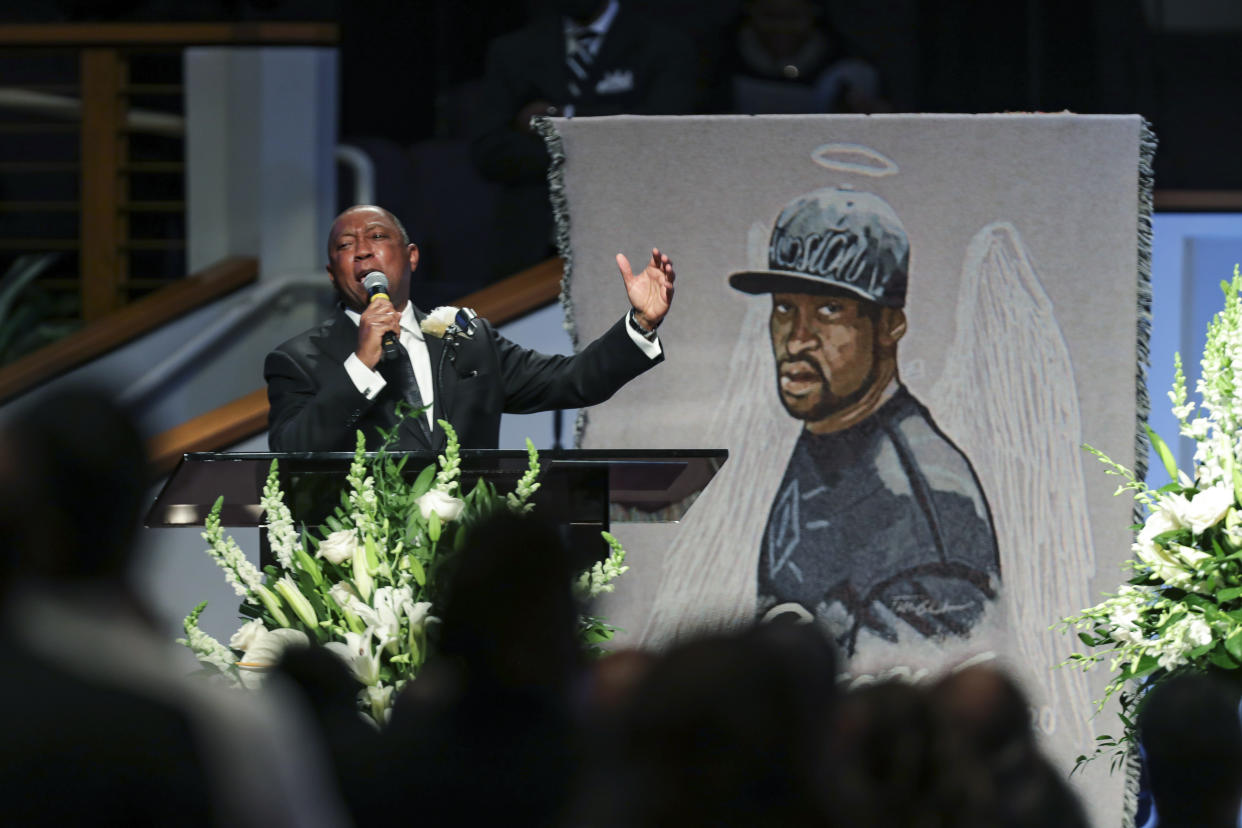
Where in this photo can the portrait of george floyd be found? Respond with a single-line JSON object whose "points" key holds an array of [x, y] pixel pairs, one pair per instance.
{"points": [[903, 329], [879, 523]]}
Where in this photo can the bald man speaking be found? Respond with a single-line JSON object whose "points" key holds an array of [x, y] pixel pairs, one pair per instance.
{"points": [[352, 371]]}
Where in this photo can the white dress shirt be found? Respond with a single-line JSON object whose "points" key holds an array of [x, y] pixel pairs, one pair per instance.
{"points": [[370, 383]]}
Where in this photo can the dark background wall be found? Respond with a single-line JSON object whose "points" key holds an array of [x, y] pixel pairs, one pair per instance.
{"points": [[408, 67]]}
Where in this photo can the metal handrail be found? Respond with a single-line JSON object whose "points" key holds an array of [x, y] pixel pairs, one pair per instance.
{"points": [[70, 108], [163, 123], [256, 302]]}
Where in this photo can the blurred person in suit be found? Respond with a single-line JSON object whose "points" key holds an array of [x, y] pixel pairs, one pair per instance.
{"points": [[589, 58], [100, 724]]}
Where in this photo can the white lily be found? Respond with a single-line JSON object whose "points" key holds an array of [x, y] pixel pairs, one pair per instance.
{"points": [[302, 607], [362, 573], [418, 614], [358, 655], [389, 603], [265, 651]]}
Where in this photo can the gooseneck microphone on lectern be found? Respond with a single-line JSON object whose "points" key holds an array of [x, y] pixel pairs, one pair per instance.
{"points": [[376, 285]]}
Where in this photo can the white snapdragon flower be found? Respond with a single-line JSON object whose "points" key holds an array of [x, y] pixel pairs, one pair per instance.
{"points": [[442, 504], [1196, 429], [281, 534], [338, 547], [1207, 508], [246, 636], [438, 321], [209, 651]]}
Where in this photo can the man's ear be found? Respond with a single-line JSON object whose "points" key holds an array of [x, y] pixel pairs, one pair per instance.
{"points": [[413, 248], [892, 326]]}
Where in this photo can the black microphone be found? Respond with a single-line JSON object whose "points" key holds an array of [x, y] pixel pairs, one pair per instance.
{"points": [[376, 284]]}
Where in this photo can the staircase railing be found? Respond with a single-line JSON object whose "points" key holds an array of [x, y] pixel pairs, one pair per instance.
{"points": [[92, 149]]}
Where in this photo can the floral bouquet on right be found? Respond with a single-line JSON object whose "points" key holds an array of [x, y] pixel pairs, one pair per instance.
{"points": [[1181, 609]]}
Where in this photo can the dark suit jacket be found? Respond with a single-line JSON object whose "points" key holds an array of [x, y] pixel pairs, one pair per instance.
{"points": [[316, 407], [529, 65], [77, 751]]}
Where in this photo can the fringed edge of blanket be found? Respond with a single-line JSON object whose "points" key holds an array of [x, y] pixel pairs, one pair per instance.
{"points": [[1146, 182], [560, 216]]}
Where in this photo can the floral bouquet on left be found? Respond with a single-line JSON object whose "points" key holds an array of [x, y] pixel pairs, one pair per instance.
{"points": [[365, 584]]}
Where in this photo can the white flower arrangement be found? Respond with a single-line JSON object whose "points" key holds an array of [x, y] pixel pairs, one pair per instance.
{"points": [[1182, 607], [364, 584]]}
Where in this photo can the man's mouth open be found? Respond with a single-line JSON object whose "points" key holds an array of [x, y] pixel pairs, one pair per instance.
{"points": [[797, 379]]}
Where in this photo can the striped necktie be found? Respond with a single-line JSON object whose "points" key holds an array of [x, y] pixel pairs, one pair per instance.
{"points": [[579, 57]]}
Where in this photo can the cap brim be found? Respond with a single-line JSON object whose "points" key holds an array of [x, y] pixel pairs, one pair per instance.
{"points": [[781, 281]]}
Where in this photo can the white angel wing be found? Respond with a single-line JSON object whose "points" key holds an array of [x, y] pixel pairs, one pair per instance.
{"points": [[1013, 408]]}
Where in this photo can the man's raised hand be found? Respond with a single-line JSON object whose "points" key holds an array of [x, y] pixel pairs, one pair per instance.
{"points": [[651, 290]]}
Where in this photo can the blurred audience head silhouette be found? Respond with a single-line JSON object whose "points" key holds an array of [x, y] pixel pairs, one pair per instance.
{"points": [[508, 617], [1188, 725], [74, 478], [728, 730], [987, 710]]}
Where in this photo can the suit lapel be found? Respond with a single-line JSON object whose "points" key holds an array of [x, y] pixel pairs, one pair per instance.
{"points": [[339, 337]]}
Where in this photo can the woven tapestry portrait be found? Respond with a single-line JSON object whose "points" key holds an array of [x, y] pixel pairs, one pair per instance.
{"points": [[903, 329]]}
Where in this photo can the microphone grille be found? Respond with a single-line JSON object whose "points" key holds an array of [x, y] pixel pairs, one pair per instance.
{"points": [[375, 281]]}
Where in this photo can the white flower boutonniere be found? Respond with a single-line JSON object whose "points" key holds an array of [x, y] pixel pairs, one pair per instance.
{"points": [[438, 322]]}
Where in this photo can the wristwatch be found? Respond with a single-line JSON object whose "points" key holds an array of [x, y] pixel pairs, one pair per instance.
{"points": [[639, 329]]}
